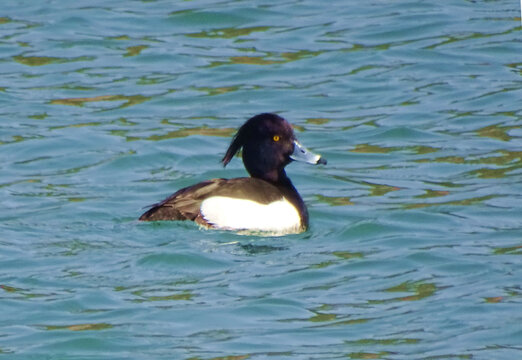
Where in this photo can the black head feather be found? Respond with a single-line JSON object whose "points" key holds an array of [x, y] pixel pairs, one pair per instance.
{"points": [[255, 129]]}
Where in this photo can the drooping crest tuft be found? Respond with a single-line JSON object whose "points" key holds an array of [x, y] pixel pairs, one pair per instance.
{"points": [[234, 147]]}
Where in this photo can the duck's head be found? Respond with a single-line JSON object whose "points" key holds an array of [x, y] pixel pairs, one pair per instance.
{"points": [[269, 144]]}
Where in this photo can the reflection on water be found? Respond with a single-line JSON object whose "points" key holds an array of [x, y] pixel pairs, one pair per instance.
{"points": [[228, 33], [268, 59], [421, 290], [335, 200], [78, 327], [127, 100], [135, 50], [46, 60], [415, 221], [203, 131]]}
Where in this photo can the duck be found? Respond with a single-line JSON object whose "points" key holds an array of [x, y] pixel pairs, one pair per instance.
{"points": [[265, 202]]}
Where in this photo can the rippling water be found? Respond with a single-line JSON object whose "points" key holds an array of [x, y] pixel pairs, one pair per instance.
{"points": [[415, 243]]}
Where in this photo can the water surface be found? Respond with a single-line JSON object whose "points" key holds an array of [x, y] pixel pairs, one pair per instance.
{"points": [[414, 250]]}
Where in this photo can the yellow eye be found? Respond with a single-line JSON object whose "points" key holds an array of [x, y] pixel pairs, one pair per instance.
{"points": [[276, 138]]}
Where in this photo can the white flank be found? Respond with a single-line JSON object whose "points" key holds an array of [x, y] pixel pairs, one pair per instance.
{"points": [[239, 214]]}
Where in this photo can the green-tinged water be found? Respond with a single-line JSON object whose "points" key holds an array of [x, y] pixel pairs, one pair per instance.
{"points": [[415, 245]]}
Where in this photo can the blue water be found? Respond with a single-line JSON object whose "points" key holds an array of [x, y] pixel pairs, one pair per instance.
{"points": [[415, 245]]}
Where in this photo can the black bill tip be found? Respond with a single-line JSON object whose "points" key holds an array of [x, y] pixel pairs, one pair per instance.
{"points": [[322, 161]]}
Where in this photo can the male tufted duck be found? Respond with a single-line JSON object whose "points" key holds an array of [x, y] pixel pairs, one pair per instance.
{"points": [[266, 202]]}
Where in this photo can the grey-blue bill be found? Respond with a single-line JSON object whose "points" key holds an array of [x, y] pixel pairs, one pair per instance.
{"points": [[303, 154]]}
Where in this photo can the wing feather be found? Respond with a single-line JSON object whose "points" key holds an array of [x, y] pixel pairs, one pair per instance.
{"points": [[185, 204]]}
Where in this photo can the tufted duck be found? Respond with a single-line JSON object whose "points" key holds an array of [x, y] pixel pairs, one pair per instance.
{"points": [[267, 201]]}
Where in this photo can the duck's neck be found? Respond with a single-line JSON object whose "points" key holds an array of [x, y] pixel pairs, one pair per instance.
{"points": [[284, 184]]}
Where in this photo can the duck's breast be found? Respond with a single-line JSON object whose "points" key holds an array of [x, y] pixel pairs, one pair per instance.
{"points": [[244, 214]]}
